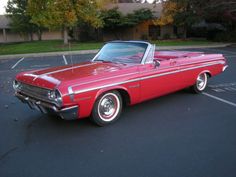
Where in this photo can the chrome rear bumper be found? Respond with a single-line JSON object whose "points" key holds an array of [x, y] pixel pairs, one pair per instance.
{"points": [[225, 67], [70, 113]]}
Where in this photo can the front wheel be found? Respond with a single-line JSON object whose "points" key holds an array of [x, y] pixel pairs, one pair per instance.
{"points": [[200, 84], [107, 108]]}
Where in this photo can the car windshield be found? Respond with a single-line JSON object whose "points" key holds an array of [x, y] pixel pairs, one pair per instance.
{"points": [[122, 52]]}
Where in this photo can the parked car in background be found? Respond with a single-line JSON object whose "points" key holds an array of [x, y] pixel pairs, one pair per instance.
{"points": [[122, 73]]}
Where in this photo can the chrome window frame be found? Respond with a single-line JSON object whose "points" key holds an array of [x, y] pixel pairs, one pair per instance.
{"points": [[152, 51]]}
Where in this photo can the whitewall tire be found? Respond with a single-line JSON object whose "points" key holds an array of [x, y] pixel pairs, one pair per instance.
{"points": [[200, 84], [107, 108]]}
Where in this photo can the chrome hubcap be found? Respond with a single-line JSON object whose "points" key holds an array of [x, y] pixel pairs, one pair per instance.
{"points": [[108, 107], [201, 81]]}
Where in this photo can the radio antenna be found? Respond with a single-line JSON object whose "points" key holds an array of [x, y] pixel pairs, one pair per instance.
{"points": [[71, 58]]}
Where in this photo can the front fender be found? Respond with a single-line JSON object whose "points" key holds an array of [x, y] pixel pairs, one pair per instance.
{"points": [[87, 100], [104, 90]]}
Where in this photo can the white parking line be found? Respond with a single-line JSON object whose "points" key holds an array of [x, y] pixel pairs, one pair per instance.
{"points": [[17, 63], [65, 60], [220, 99]]}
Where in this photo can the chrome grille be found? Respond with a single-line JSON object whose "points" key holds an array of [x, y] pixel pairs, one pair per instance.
{"points": [[35, 92]]}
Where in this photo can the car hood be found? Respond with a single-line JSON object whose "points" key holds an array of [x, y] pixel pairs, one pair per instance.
{"points": [[52, 77]]}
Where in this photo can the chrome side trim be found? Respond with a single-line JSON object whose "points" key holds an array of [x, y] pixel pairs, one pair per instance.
{"points": [[181, 70], [65, 69], [211, 60], [179, 65], [146, 77], [71, 93], [85, 98], [108, 85], [113, 77], [134, 86]]}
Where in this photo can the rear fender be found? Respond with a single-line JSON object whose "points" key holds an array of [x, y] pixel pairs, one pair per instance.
{"points": [[207, 72]]}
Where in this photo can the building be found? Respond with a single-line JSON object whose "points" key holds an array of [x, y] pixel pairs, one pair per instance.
{"points": [[7, 35], [145, 30]]}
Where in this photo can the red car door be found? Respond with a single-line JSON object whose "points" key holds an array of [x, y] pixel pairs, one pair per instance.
{"points": [[157, 81]]}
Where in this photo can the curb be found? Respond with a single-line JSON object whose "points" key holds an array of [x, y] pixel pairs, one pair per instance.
{"points": [[193, 46], [48, 54]]}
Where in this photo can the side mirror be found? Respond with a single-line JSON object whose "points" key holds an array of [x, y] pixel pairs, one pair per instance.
{"points": [[156, 63]]}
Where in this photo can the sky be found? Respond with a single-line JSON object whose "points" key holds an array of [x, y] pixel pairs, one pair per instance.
{"points": [[2, 4]]}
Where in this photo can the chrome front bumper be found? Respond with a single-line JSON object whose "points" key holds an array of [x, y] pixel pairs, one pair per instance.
{"points": [[70, 113]]}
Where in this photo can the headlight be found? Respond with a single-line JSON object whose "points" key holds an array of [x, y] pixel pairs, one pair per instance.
{"points": [[55, 95], [52, 95], [58, 97], [16, 85]]}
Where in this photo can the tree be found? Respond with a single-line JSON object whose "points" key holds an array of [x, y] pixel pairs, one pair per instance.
{"points": [[142, 15], [167, 15], [53, 14], [111, 18], [185, 13], [20, 20], [114, 20], [65, 14], [221, 11], [182, 13]]}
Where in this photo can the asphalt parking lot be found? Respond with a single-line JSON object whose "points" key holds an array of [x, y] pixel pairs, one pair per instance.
{"points": [[179, 135]]}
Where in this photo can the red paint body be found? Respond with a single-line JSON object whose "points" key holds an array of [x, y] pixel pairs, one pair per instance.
{"points": [[141, 82]]}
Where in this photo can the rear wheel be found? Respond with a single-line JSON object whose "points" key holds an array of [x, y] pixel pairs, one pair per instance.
{"points": [[107, 108], [200, 84]]}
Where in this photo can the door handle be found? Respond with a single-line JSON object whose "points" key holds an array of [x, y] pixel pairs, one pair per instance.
{"points": [[173, 62]]}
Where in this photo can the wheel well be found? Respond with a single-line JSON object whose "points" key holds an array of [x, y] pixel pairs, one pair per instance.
{"points": [[208, 74], [125, 96]]}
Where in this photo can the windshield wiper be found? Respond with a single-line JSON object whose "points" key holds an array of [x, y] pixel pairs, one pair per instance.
{"points": [[109, 61], [104, 61]]}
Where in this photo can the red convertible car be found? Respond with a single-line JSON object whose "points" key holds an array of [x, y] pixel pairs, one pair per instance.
{"points": [[122, 73]]}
